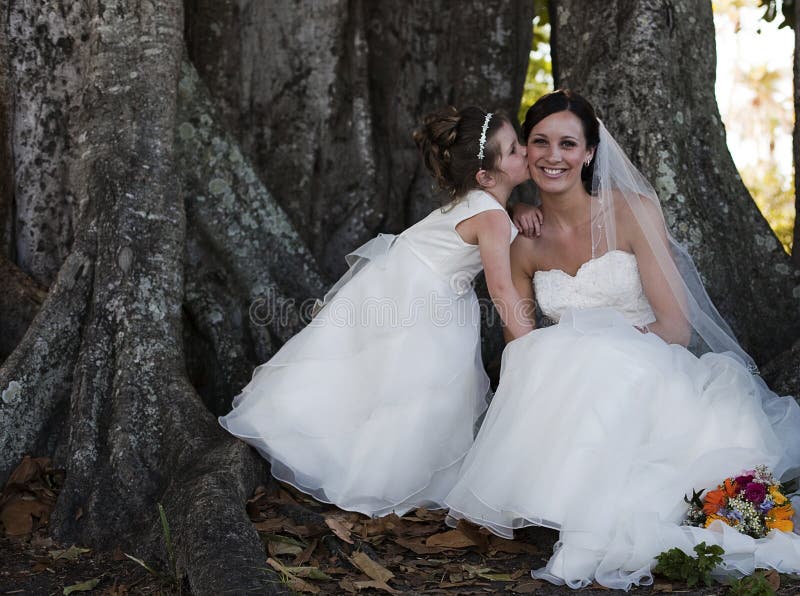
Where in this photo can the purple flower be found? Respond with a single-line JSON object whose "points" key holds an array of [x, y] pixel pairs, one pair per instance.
{"points": [[732, 514], [744, 479], [766, 505], [755, 492]]}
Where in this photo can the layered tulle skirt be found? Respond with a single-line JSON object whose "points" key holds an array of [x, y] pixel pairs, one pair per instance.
{"points": [[600, 431], [373, 405]]}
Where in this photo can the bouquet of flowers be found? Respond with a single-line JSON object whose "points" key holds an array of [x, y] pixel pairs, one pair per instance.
{"points": [[752, 503]]}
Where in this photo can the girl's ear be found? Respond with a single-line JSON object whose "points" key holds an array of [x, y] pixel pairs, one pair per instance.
{"points": [[485, 179]]}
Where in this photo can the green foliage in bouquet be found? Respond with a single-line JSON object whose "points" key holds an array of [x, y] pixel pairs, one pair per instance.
{"points": [[676, 565]]}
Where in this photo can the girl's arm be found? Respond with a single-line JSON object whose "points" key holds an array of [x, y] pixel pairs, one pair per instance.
{"points": [[522, 278], [528, 219], [494, 232]]}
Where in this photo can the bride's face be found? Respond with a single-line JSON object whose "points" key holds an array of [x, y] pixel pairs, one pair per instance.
{"points": [[557, 152]]}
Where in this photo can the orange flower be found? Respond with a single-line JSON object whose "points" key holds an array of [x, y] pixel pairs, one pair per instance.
{"points": [[713, 501], [730, 487], [713, 517]]}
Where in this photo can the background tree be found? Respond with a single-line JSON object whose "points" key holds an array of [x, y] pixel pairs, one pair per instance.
{"points": [[789, 13], [651, 72], [181, 179]]}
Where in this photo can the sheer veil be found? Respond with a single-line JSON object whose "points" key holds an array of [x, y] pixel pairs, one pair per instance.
{"points": [[617, 184]]}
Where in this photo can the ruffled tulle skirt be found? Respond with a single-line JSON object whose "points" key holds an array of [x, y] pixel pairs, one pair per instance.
{"points": [[373, 405], [600, 431]]}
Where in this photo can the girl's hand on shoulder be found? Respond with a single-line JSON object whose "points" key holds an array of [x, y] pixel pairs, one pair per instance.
{"points": [[528, 219]]}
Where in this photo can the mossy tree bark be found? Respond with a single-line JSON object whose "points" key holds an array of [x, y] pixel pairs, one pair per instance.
{"points": [[176, 187]]}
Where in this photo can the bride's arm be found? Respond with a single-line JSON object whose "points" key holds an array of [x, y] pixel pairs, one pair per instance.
{"points": [[663, 285]]}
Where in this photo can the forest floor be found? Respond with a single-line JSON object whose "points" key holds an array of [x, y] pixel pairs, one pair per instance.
{"points": [[314, 548]]}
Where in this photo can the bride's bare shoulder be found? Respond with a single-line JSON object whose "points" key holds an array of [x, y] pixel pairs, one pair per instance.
{"points": [[523, 253]]}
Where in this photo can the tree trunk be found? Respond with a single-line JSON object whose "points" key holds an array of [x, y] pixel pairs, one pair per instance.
{"points": [[183, 235], [650, 71], [330, 120], [19, 302]]}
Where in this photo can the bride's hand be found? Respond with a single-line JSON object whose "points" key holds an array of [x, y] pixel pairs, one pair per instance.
{"points": [[528, 219]]}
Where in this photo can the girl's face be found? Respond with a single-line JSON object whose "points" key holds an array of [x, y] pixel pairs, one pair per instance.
{"points": [[513, 163], [557, 152]]}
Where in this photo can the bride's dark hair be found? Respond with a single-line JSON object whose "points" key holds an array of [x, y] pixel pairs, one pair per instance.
{"points": [[566, 100], [449, 140]]}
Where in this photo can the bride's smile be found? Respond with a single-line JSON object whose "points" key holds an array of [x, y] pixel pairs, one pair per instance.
{"points": [[557, 152]]}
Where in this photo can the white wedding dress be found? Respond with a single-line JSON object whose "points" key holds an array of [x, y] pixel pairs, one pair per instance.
{"points": [[373, 405], [599, 431]]}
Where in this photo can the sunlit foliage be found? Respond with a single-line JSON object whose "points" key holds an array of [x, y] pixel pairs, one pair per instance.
{"points": [[539, 79]]}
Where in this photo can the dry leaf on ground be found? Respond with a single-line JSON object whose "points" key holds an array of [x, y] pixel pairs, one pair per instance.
{"points": [[340, 527], [451, 539], [292, 581]]}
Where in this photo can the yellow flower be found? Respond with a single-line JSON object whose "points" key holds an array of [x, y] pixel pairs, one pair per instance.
{"points": [[711, 518], [776, 495], [780, 518], [784, 525]]}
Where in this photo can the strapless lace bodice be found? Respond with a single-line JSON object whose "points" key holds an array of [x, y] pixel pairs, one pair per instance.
{"points": [[609, 281]]}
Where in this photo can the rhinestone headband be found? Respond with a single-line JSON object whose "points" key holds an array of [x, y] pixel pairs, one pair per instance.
{"points": [[482, 141]]}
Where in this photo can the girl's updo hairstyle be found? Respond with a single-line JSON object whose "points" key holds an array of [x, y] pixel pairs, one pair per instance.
{"points": [[565, 100], [449, 140]]}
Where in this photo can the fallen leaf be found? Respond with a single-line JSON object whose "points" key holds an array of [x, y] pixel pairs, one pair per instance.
{"points": [[89, 584], [292, 581], [377, 573], [68, 554], [117, 590], [372, 568], [378, 585], [450, 539], [347, 585], [389, 524], [426, 515], [662, 587], [419, 547], [28, 469], [528, 587], [513, 547], [144, 565], [480, 538], [271, 525], [309, 573], [459, 584], [304, 556], [340, 528], [42, 541], [282, 545], [773, 578], [486, 573], [18, 513]]}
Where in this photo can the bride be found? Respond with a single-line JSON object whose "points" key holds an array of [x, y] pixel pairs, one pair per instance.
{"points": [[636, 396]]}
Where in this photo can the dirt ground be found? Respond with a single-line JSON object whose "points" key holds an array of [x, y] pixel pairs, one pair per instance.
{"points": [[314, 548]]}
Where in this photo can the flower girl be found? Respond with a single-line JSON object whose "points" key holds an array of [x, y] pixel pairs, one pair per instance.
{"points": [[372, 406]]}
